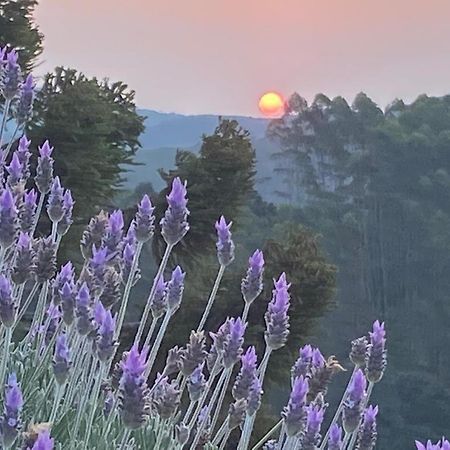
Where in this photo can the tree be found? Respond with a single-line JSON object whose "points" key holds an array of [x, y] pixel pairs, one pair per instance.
{"points": [[18, 30], [220, 179], [95, 130]]}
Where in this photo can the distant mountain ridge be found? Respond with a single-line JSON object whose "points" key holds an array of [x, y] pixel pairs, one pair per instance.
{"points": [[165, 133]]}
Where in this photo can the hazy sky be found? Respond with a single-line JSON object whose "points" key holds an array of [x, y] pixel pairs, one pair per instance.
{"points": [[218, 56]]}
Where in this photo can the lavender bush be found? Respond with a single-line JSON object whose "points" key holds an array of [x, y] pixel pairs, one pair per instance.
{"points": [[61, 388]]}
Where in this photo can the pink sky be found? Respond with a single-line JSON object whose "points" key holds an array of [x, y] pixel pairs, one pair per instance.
{"points": [[217, 56]]}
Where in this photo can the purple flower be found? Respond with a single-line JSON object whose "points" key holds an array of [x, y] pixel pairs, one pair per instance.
{"points": [[61, 359], [236, 413], [173, 360], [27, 211], [133, 391], [429, 446], [94, 234], [55, 207], [8, 219], [67, 296], [105, 343], [276, 317], [10, 422], [367, 435], [44, 170], [294, 414], [54, 317], [84, 311], [24, 263], [219, 339], [196, 383], [8, 306], [174, 223], [358, 351], [24, 154], [66, 220], [254, 396], [194, 354], [45, 259], [128, 254], [225, 245], [335, 438], [232, 347], [43, 442], [65, 275], [252, 284], [376, 353], [24, 109], [303, 364], [144, 220], [158, 304], [15, 170], [166, 398], [311, 439], [175, 288], [11, 77], [111, 292], [244, 379], [354, 403]]}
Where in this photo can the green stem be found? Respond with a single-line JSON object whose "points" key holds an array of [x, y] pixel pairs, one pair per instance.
{"points": [[94, 397], [58, 396], [149, 336], [26, 304], [37, 214], [40, 314], [127, 290], [126, 436], [146, 312], [245, 312], [212, 400], [338, 411], [211, 298], [4, 120], [11, 142], [157, 343], [221, 398], [225, 439], [263, 440], [4, 364]]}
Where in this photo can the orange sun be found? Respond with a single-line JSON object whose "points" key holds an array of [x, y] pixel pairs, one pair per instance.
{"points": [[271, 104]]}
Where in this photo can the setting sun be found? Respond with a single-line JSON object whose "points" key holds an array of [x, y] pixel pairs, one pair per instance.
{"points": [[271, 104]]}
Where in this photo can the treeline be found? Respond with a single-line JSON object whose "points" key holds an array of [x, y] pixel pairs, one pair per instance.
{"points": [[376, 185]]}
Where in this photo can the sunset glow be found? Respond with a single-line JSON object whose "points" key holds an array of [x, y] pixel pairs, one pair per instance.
{"points": [[271, 104]]}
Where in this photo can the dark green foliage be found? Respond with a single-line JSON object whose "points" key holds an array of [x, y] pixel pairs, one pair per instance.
{"points": [[18, 30], [376, 186], [95, 130]]}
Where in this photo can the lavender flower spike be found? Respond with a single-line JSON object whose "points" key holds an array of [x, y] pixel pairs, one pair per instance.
{"points": [[44, 442], [252, 284], [55, 208], [10, 422], [225, 245], [174, 225], [276, 317], [294, 414], [353, 405], [61, 360], [429, 446], [367, 436], [335, 438], [196, 383], [24, 154], [12, 76], [83, 311], [311, 439], [8, 306], [244, 379], [66, 220], [254, 396], [24, 263], [175, 289], [232, 348], [67, 297], [44, 170], [143, 222], [15, 170], [27, 211], [158, 304], [303, 364], [133, 391], [376, 353], [24, 109], [105, 344], [8, 219]]}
